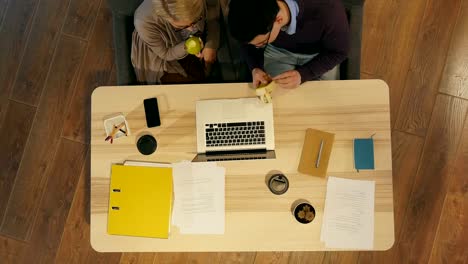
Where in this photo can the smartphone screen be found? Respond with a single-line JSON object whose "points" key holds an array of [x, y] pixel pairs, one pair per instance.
{"points": [[152, 112]]}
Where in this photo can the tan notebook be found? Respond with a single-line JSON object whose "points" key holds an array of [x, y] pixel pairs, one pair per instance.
{"points": [[310, 162]]}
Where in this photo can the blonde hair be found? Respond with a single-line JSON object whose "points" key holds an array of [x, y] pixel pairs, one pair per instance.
{"points": [[179, 10]]}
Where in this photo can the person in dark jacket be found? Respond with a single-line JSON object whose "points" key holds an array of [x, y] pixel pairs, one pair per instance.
{"points": [[290, 41]]}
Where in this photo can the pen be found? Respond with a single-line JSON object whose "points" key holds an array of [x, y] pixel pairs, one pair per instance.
{"points": [[317, 163], [114, 131]]}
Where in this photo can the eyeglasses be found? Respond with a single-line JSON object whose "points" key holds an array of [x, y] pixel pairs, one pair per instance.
{"points": [[191, 25], [264, 43]]}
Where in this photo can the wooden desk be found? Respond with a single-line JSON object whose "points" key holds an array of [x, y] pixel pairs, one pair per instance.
{"points": [[256, 220]]}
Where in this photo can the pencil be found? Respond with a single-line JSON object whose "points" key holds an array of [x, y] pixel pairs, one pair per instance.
{"points": [[317, 163]]}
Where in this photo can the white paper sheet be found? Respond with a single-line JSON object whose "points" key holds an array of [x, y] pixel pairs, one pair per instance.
{"points": [[198, 198], [348, 221]]}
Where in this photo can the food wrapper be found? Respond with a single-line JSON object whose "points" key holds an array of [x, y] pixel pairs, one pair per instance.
{"points": [[264, 92]]}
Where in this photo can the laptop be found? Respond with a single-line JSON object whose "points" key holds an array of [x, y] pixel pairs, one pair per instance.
{"points": [[234, 129]]}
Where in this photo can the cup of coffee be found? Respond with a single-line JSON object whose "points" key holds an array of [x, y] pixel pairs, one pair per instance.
{"points": [[303, 211], [147, 144], [278, 183]]}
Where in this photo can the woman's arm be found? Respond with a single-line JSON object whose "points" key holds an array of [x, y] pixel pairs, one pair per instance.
{"points": [[212, 22], [151, 35]]}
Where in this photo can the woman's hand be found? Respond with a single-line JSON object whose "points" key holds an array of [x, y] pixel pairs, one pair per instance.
{"points": [[208, 55]]}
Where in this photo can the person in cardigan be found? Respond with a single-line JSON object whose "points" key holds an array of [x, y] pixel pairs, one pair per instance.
{"points": [[290, 41], [158, 50]]}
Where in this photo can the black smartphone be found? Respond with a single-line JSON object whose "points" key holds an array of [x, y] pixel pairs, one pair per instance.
{"points": [[152, 112]]}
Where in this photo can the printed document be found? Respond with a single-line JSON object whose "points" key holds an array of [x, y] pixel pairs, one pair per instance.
{"points": [[348, 220]]}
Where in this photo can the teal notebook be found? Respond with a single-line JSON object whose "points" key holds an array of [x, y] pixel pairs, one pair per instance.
{"points": [[364, 154]]}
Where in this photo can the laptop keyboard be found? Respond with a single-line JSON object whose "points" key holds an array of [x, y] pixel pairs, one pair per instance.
{"points": [[235, 134]]}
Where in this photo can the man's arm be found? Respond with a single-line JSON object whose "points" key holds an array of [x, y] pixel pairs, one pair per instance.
{"points": [[252, 55], [335, 45]]}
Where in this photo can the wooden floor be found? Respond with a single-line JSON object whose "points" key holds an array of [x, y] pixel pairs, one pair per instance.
{"points": [[53, 53]]}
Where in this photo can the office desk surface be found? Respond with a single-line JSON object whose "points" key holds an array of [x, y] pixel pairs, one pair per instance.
{"points": [[256, 219]]}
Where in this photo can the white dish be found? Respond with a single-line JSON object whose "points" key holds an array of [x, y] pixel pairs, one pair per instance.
{"points": [[114, 121]]}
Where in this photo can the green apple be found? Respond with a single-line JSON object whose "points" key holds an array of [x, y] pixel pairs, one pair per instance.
{"points": [[193, 45]]}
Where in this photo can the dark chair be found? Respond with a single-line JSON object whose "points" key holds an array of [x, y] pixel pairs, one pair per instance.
{"points": [[231, 67], [122, 18], [350, 69]]}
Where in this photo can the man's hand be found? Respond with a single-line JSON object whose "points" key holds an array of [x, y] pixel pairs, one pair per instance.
{"points": [[260, 77], [289, 79]]}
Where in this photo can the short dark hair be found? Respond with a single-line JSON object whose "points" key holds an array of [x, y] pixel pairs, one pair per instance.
{"points": [[250, 18]]}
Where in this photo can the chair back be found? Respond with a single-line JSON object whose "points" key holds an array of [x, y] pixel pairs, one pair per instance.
{"points": [[124, 7]]}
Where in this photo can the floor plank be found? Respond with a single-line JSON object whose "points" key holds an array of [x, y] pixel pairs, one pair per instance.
{"points": [[81, 17], [112, 76], [272, 257], [202, 258], [75, 247], [43, 39], [13, 33], [102, 258], [16, 127], [406, 153], [450, 246], [365, 75], [56, 202], [44, 138], [96, 71], [341, 257], [381, 257], [425, 71], [431, 181], [11, 250], [237, 258], [389, 41], [451, 241], [168, 258], [455, 78], [375, 33], [137, 258], [306, 257]]}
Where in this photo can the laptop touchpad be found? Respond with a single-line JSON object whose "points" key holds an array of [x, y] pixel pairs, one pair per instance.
{"points": [[233, 109]]}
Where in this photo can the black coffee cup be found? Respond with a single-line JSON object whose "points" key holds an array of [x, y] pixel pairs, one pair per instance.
{"points": [[147, 144]]}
